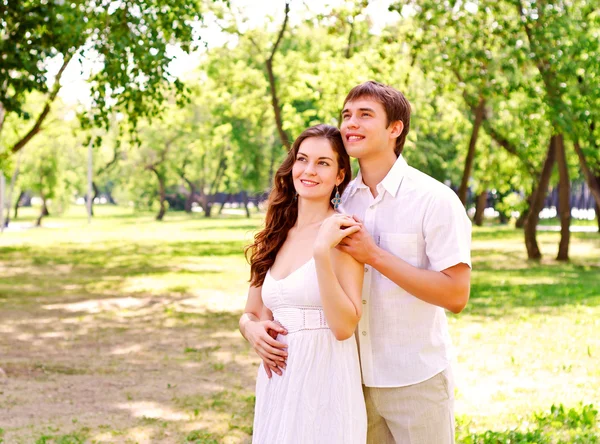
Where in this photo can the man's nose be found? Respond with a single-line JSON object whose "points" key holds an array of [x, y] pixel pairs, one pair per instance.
{"points": [[351, 122]]}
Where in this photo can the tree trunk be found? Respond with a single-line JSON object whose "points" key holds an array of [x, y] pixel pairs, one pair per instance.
{"points": [[272, 163], [564, 197], [480, 207], [162, 194], [592, 181], [208, 207], [206, 204], [43, 213], [227, 199], [13, 181], [502, 218], [245, 200], [109, 196], [537, 203], [2, 115], [520, 223], [16, 213], [464, 183], [96, 193], [214, 187], [190, 198]]}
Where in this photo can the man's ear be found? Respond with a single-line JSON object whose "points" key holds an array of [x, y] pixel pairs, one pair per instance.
{"points": [[397, 128]]}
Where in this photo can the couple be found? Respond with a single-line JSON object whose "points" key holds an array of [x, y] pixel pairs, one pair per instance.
{"points": [[346, 305]]}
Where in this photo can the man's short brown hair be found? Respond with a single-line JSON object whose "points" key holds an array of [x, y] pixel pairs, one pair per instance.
{"points": [[395, 104]]}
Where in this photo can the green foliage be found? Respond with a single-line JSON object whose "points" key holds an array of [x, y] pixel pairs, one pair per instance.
{"points": [[71, 438], [535, 68], [54, 164], [32, 31], [576, 425], [131, 42], [201, 437]]}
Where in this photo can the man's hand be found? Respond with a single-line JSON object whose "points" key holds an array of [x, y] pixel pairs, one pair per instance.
{"points": [[333, 230], [261, 335], [360, 245]]}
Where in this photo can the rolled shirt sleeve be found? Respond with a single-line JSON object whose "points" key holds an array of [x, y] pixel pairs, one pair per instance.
{"points": [[447, 231]]}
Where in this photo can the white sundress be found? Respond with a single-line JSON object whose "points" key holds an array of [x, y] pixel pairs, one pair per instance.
{"points": [[319, 397]]}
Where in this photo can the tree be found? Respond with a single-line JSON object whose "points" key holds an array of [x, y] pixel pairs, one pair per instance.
{"points": [[267, 50], [129, 39], [480, 72]]}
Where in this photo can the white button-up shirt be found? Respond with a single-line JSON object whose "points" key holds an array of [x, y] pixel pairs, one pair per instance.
{"points": [[403, 340]]}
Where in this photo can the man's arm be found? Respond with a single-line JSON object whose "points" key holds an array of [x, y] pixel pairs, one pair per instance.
{"points": [[448, 288]]}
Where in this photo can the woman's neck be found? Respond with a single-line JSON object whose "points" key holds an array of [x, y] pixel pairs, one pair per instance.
{"points": [[311, 212]]}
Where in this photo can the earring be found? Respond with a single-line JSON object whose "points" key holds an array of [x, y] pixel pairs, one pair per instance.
{"points": [[295, 197], [336, 199]]}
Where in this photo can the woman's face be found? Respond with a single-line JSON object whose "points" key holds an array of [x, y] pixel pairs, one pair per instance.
{"points": [[316, 170]]}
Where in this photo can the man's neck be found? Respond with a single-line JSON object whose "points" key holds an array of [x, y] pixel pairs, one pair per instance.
{"points": [[374, 170]]}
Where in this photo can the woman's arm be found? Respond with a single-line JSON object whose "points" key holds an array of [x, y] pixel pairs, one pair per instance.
{"points": [[340, 277], [255, 325]]}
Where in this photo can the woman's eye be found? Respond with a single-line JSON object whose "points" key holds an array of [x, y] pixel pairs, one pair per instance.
{"points": [[300, 159], [323, 163]]}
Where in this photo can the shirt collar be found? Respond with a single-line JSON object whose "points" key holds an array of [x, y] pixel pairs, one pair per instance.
{"points": [[391, 182], [357, 184]]}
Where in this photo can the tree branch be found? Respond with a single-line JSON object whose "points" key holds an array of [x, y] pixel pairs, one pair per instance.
{"points": [[38, 124], [274, 100]]}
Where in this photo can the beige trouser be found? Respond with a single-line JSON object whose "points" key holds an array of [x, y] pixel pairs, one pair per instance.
{"points": [[422, 413]]}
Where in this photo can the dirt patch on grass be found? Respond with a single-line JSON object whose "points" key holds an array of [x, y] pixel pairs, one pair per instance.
{"points": [[124, 369]]}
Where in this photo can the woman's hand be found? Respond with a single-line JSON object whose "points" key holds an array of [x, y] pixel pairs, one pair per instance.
{"points": [[261, 335], [333, 230]]}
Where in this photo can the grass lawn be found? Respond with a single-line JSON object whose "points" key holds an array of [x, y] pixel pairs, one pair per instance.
{"points": [[125, 330]]}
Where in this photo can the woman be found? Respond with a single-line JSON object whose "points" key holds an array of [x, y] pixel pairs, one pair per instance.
{"points": [[309, 292]]}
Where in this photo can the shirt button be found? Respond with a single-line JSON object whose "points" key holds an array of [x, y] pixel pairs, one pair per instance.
{"points": [[364, 333], [366, 269], [364, 302]]}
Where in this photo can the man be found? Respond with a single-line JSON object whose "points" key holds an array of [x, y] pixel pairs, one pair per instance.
{"points": [[415, 244]]}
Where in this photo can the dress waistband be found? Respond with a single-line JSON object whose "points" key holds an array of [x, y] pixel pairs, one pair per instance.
{"points": [[300, 318]]}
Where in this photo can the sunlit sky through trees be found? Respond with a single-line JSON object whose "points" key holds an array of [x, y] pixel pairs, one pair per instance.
{"points": [[75, 90]]}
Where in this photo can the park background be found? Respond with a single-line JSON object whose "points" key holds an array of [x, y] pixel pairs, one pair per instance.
{"points": [[138, 140]]}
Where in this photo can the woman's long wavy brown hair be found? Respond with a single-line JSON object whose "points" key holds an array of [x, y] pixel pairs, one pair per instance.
{"points": [[282, 209]]}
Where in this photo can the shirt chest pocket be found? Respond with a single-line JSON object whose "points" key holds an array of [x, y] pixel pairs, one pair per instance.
{"points": [[403, 246]]}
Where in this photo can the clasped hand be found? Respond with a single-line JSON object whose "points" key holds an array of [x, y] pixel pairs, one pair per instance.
{"points": [[333, 230]]}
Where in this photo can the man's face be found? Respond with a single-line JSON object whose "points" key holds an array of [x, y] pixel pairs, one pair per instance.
{"points": [[365, 130]]}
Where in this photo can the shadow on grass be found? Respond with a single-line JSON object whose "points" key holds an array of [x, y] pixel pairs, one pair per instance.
{"points": [[500, 232], [188, 368], [535, 287], [108, 252]]}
